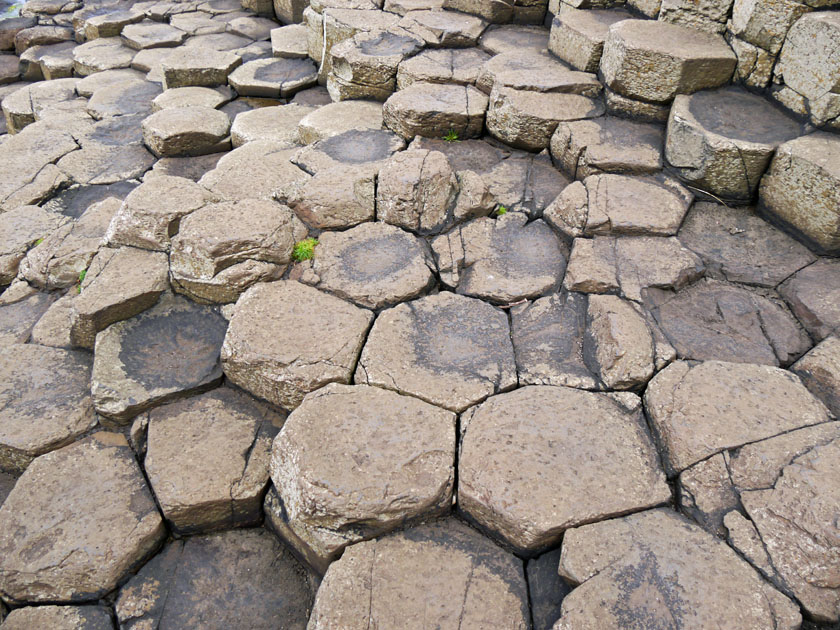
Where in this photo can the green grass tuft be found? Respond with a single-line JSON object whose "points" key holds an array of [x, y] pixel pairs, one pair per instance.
{"points": [[451, 136], [305, 249], [501, 210], [38, 242]]}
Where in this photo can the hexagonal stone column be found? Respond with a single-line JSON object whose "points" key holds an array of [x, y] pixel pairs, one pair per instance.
{"points": [[809, 62], [444, 29], [444, 574], [165, 353], [87, 511], [187, 131], [654, 61], [287, 339], [329, 498], [721, 141], [416, 348], [207, 459], [434, 110], [273, 78], [663, 555], [802, 189], [578, 36], [814, 296], [198, 66], [539, 460], [494, 11], [820, 372], [237, 578], [46, 402]]}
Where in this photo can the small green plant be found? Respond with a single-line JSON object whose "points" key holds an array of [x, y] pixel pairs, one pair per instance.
{"points": [[305, 249], [451, 136], [501, 210], [39, 241], [82, 275]]}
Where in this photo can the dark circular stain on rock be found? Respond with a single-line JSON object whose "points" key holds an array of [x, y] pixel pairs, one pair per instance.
{"points": [[388, 44], [377, 258], [284, 70], [359, 146]]}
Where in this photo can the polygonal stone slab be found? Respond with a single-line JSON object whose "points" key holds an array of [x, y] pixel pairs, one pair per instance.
{"points": [[494, 11], [98, 55], [194, 130], [662, 555], [165, 353], [654, 61], [738, 246], [336, 118], [60, 618], [539, 460], [808, 61], [415, 349], [21, 306], [222, 249], [198, 66], [55, 552], [149, 34], [721, 141], [110, 24], [286, 339], [331, 499], [364, 148], [273, 78], [207, 459], [278, 124], [444, 29], [738, 404], [375, 265], [460, 66], [336, 197], [502, 260], [713, 320], [122, 98], [290, 41], [189, 97], [535, 72], [514, 37], [433, 110], [577, 36], [20, 229], [820, 372], [444, 574], [46, 402], [219, 581], [814, 296]]}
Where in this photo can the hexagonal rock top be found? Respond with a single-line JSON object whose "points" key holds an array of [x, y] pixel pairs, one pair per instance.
{"points": [[207, 459], [814, 296], [375, 265], [442, 575], [654, 61], [699, 410], [539, 460], [234, 579], [394, 465], [286, 339], [45, 394], [180, 131], [433, 110], [656, 569], [167, 352], [447, 349], [76, 522], [273, 78], [60, 618]]}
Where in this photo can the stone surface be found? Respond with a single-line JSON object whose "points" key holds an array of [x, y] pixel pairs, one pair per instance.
{"points": [[533, 463], [738, 246], [273, 78], [335, 197], [81, 554], [289, 41], [546, 589], [198, 66], [808, 60], [222, 249], [148, 34], [813, 294], [819, 371], [654, 61], [697, 579], [207, 459], [460, 66], [59, 618], [46, 402], [502, 260], [721, 141], [414, 349], [21, 306], [434, 110], [374, 265], [122, 98], [535, 71], [165, 353], [713, 320], [444, 29], [577, 36], [336, 118], [119, 284], [20, 229], [443, 574], [107, 53], [801, 189], [189, 97], [607, 145], [330, 497], [513, 37], [218, 581], [278, 124], [194, 130], [286, 339]]}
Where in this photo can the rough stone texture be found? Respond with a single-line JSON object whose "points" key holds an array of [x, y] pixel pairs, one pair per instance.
{"points": [[502, 260], [364, 148], [46, 402], [712, 320], [110, 24], [578, 36], [118, 284], [738, 246], [813, 294], [444, 574], [701, 410], [53, 327], [336, 118], [607, 145], [619, 205], [546, 589], [289, 41], [444, 29], [222, 249], [20, 229], [194, 130], [654, 61], [189, 96], [460, 66], [59, 618], [494, 11], [535, 71], [198, 66], [21, 306], [808, 62], [278, 124], [207, 459], [122, 98], [167, 352], [286, 339], [432, 110], [513, 37], [55, 552], [148, 34], [695, 578], [152, 212], [820, 372], [273, 78], [721, 141], [374, 265], [539, 460], [415, 349], [335, 197], [802, 186], [332, 499], [237, 578], [107, 53]]}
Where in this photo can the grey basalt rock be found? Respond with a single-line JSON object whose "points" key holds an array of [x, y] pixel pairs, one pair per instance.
{"points": [[21, 307], [148, 34], [514, 37], [813, 294], [365, 149], [578, 36], [338, 196], [98, 55], [20, 229], [198, 66], [444, 29], [180, 131], [336, 118], [535, 71], [460, 66], [60, 618], [819, 370], [274, 77], [278, 124], [494, 11], [189, 97], [434, 110]]}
